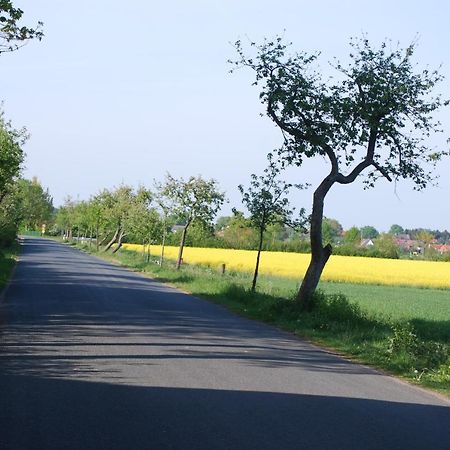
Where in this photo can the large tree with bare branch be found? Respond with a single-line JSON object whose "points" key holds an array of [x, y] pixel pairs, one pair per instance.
{"points": [[373, 118]]}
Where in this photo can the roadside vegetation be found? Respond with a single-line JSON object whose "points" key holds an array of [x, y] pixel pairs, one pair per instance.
{"points": [[403, 330], [8, 259]]}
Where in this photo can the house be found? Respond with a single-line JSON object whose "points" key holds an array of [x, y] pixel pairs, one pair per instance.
{"points": [[367, 243], [441, 248]]}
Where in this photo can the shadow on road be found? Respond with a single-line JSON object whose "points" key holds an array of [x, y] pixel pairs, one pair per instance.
{"points": [[87, 415], [55, 315]]}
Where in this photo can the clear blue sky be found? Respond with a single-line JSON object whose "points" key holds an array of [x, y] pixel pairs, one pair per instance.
{"points": [[126, 91]]}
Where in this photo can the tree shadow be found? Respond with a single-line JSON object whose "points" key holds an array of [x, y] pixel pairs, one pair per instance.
{"points": [[50, 414]]}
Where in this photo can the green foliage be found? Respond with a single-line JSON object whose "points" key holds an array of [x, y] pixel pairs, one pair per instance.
{"points": [[11, 159], [239, 232], [11, 154], [396, 230], [337, 308], [375, 118], [36, 204], [268, 205], [352, 236], [369, 232], [331, 230], [266, 200], [8, 257], [421, 355], [12, 34], [9, 219], [192, 199], [386, 245]]}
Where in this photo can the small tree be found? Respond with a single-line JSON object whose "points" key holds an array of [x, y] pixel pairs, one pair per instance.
{"points": [[374, 118], [12, 35], [267, 203], [193, 199]]}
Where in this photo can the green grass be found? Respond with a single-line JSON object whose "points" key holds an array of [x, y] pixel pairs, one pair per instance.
{"points": [[402, 330], [8, 258]]}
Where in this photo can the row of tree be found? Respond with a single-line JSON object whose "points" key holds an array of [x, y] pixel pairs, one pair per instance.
{"points": [[141, 215]]}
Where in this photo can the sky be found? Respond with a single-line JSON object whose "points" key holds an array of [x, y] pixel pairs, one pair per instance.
{"points": [[124, 92]]}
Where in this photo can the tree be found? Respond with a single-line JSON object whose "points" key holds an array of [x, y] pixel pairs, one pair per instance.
{"points": [[239, 232], [331, 230], [352, 236], [396, 230], [369, 232], [267, 203], [12, 35], [11, 154], [427, 238], [9, 217], [120, 207], [65, 217], [373, 118], [36, 204], [192, 199], [386, 246]]}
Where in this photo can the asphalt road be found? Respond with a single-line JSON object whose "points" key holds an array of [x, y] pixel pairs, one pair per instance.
{"points": [[93, 356]]}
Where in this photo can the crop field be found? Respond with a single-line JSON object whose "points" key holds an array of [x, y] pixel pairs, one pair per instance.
{"points": [[348, 269]]}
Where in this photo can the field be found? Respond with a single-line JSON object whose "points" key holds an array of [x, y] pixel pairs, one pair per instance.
{"points": [[349, 269]]}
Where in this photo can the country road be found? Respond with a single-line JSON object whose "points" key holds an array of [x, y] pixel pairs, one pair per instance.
{"points": [[93, 356]]}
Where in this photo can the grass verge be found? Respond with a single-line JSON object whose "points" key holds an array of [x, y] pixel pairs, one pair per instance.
{"points": [[8, 259], [404, 331]]}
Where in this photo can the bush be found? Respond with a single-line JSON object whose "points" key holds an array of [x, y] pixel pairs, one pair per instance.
{"points": [[337, 308], [422, 355]]}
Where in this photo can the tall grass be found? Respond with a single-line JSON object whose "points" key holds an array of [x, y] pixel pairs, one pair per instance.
{"points": [[8, 258]]}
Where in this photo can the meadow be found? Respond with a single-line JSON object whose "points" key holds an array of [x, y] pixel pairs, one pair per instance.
{"points": [[349, 269]]}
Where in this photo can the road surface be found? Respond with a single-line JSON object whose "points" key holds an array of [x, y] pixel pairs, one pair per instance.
{"points": [[93, 356]]}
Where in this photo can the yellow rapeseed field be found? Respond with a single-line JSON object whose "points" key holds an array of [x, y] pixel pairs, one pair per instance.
{"points": [[350, 269]]}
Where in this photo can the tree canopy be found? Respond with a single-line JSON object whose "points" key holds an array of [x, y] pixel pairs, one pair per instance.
{"points": [[266, 199], [192, 199], [11, 154], [373, 118]]}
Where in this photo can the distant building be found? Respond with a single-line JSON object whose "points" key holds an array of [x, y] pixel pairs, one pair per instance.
{"points": [[367, 243], [441, 248]]}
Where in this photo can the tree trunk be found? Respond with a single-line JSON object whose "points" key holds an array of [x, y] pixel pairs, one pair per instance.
{"points": [[147, 258], [319, 253], [161, 258], [255, 275], [91, 232], [100, 243], [97, 243], [180, 251], [119, 241], [111, 242]]}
